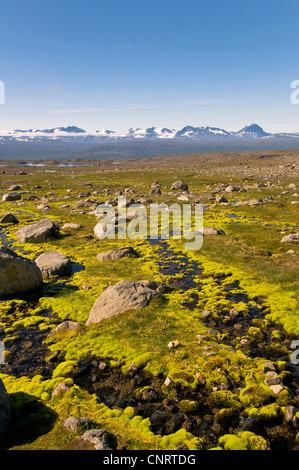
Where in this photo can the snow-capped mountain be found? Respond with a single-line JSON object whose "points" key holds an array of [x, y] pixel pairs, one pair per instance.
{"points": [[254, 131], [251, 132]]}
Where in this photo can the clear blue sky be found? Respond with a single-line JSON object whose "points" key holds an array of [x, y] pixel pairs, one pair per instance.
{"points": [[130, 63]]}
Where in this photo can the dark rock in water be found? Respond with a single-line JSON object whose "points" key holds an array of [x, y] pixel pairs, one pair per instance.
{"points": [[125, 295], [94, 439], [17, 274], [9, 219], [118, 254], [5, 410], [11, 197], [54, 263], [38, 232]]}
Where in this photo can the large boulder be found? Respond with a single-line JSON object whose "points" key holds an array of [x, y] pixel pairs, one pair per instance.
{"points": [[54, 263], [38, 232], [179, 186], [11, 197], [17, 274], [5, 410], [125, 295], [292, 238], [114, 255]]}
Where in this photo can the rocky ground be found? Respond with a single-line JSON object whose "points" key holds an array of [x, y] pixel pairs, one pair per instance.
{"points": [[142, 343]]}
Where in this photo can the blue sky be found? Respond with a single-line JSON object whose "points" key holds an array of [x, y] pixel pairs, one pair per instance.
{"points": [[125, 63]]}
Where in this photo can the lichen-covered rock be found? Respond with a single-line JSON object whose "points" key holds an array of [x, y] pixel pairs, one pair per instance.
{"points": [[125, 295], [126, 252], [5, 410], [54, 263], [38, 232], [17, 274]]}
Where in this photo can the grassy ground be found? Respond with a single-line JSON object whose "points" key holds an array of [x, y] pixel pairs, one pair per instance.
{"points": [[247, 269]]}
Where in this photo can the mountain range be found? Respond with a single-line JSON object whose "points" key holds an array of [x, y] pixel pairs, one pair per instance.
{"points": [[73, 133]]}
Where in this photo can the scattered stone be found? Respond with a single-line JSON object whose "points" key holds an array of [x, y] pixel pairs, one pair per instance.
{"points": [[126, 252], [66, 325], [231, 188], [17, 274], [173, 344], [233, 313], [11, 197], [273, 381], [292, 238], [38, 232], [276, 389], [75, 424], [268, 366], [221, 199], [206, 313], [167, 382], [14, 187], [290, 412], [212, 231], [179, 186], [9, 219], [94, 439], [54, 263], [61, 388], [200, 378], [125, 295]]}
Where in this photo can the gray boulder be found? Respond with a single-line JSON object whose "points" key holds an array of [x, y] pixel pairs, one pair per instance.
{"points": [[54, 263], [5, 410], [126, 252], [125, 295], [38, 232], [17, 274], [11, 197], [179, 186], [94, 439], [212, 231], [66, 325], [292, 238]]}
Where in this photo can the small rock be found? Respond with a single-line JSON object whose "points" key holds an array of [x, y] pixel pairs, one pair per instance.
{"points": [[62, 387], [167, 382], [273, 381], [276, 389], [74, 424], [173, 344]]}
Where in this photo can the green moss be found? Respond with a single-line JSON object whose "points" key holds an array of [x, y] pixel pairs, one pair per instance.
{"points": [[254, 396], [66, 369]]}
